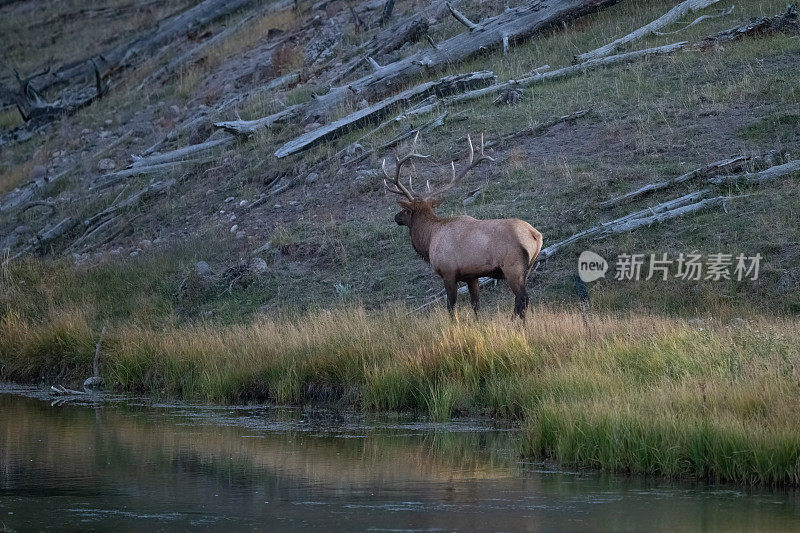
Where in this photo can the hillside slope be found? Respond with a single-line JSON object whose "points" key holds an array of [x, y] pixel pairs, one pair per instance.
{"points": [[330, 229]]}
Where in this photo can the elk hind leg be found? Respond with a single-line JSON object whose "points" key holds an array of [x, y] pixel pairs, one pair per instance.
{"points": [[516, 282], [474, 294]]}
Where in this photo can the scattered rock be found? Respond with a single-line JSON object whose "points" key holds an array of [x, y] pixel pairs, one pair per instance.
{"points": [[234, 228], [258, 266], [366, 174], [203, 270], [106, 164], [312, 177], [240, 235], [263, 248], [109, 122], [229, 199], [243, 203]]}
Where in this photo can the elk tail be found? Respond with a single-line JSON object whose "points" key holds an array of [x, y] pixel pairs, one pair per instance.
{"points": [[532, 255]]}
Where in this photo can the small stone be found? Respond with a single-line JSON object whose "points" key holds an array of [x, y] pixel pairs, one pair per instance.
{"points": [[229, 199], [294, 202], [203, 270], [104, 134], [278, 206], [209, 192], [146, 243], [234, 228], [106, 164], [232, 217], [243, 203], [263, 248], [240, 234], [134, 253], [258, 266], [312, 177], [109, 122], [175, 109]]}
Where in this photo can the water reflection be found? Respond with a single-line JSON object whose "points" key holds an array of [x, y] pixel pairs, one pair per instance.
{"points": [[128, 464]]}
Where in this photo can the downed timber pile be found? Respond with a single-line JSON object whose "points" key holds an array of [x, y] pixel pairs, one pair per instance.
{"points": [[785, 22], [375, 112], [513, 25], [36, 111], [123, 55]]}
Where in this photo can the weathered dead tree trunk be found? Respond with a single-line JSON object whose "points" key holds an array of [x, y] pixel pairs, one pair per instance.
{"points": [[730, 165], [541, 77], [375, 112], [772, 173], [674, 14], [784, 23]]}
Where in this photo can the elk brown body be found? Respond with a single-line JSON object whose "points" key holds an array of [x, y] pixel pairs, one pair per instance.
{"points": [[462, 248]]}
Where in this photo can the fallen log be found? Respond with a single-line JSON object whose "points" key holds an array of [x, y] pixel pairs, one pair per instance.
{"points": [[772, 173], [674, 14], [375, 112], [541, 77], [785, 22], [734, 164], [730, 165], [698, 20]]}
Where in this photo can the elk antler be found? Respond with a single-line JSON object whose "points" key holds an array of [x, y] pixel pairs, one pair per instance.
{"points": [[395, 186], [471, 163]]}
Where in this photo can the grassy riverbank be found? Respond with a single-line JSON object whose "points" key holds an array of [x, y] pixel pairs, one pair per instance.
{"points": [[640, 394]]}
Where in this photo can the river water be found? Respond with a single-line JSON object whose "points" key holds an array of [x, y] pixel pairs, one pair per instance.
{"points": [[127, 463]]}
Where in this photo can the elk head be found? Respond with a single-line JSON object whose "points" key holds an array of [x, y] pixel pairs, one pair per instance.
{"points": [[415, 204]]}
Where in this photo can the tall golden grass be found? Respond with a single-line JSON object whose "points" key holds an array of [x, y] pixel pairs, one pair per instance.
{"points": [[642, 394]]}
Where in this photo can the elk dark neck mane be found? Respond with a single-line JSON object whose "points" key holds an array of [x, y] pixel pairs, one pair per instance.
{"points": [[422, 227]]}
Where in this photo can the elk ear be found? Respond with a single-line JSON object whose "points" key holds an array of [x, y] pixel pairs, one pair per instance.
{"points": [[436, 202], [405, 204]]}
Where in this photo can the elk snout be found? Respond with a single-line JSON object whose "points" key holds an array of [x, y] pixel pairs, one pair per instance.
{"points": [[402, 218]]}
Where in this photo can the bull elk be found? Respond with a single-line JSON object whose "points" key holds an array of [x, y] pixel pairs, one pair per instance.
{"points": [[462, 248]]}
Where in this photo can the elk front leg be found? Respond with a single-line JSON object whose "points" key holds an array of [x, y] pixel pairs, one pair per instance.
{"points": [[451, 286], [474, 294]]}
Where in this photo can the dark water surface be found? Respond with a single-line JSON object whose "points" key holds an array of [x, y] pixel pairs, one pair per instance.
{"points": [[132, 464]]}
